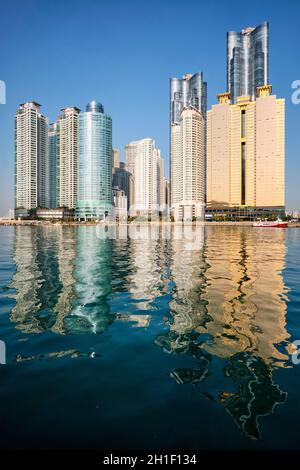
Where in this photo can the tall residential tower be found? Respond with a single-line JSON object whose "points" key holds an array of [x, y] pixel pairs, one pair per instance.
{"points": [[247, 61], [67, 156], [188, 165], [51, 199], [188, 105], [144, 161], [31, 153]]}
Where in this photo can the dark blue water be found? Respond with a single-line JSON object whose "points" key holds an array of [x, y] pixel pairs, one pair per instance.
{"points": [[149, 344]]}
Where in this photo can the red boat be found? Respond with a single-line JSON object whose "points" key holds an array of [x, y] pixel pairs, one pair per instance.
{"points": [[267, 224]]}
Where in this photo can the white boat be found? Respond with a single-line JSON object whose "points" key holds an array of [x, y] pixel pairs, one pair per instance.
{"points": [[267, 223]]}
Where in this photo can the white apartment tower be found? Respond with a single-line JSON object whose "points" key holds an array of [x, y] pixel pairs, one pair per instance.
{"points": [[31, 153], [144, 161], [67, 157], [188, 165], [161, 185]]}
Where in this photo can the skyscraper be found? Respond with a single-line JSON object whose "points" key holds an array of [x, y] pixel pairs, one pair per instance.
{"points": [[51, 201], [190, 90], [161, 180], [188, 163], [187, 93], [94, 163], [245, 154], [166, 192], [116, 159], [124, 180], [144, 160], [130, 155], [31, 153], [67, 155], [247, 61]]}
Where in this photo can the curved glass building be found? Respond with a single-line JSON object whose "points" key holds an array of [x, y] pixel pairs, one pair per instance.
{"points": [[247, 61], [190, 90], [94, 163]]}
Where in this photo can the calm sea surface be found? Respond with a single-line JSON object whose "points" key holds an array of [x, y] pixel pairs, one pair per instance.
{"points": [[149, 344]]}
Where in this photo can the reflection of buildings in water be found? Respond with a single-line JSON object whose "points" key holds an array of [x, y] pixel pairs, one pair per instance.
{"points": [[139, 321], [148, 256], [256, 395], [234, 291], [246, 299], [188, 267], [66, 252], [189, 344], [187, 308], [122, 264], [62, 280], [35, 281], [245, 292], [91, 311], [228, 299]]}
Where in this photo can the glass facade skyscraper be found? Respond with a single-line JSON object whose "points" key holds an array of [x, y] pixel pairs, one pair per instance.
{"points": [[190, 90], [247, 61], [94, 163]]}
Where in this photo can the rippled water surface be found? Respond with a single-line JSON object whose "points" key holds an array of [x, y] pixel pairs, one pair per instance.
{"points": [[149, 344]]}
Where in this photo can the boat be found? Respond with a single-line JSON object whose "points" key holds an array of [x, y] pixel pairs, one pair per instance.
{"points": [[267, 223]]}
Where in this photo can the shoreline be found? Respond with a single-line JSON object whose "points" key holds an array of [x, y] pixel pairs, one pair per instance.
{"points": [[47, 223]]}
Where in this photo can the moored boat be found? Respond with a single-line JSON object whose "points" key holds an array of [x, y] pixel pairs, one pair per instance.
{"points": [[267, 223]]}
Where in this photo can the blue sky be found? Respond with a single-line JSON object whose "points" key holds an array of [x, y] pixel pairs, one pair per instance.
{"points": [[122, 53]]}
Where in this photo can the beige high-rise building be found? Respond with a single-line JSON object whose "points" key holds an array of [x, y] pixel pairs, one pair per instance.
{"points": [[187, 165], [67, 154], [116, 159], [245, 154], [130, 156]]}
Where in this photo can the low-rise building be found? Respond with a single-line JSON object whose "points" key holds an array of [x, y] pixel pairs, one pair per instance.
{"points": [[59, 213], [120, 203]]}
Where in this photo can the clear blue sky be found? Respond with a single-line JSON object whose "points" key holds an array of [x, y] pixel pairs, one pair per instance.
{"points": [[122, 53]]}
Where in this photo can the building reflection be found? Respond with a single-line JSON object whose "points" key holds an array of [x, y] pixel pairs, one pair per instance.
{"points": [[66, 252], [67, 278], [245, 293], [62, 281], [257, 394], [229, 302], [36, 282], [92, 273], [149, 259], [222, 291], [188, 312], [188, 268]]}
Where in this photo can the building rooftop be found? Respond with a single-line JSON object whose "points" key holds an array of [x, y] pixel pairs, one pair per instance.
{"points": [[94, 107]]}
